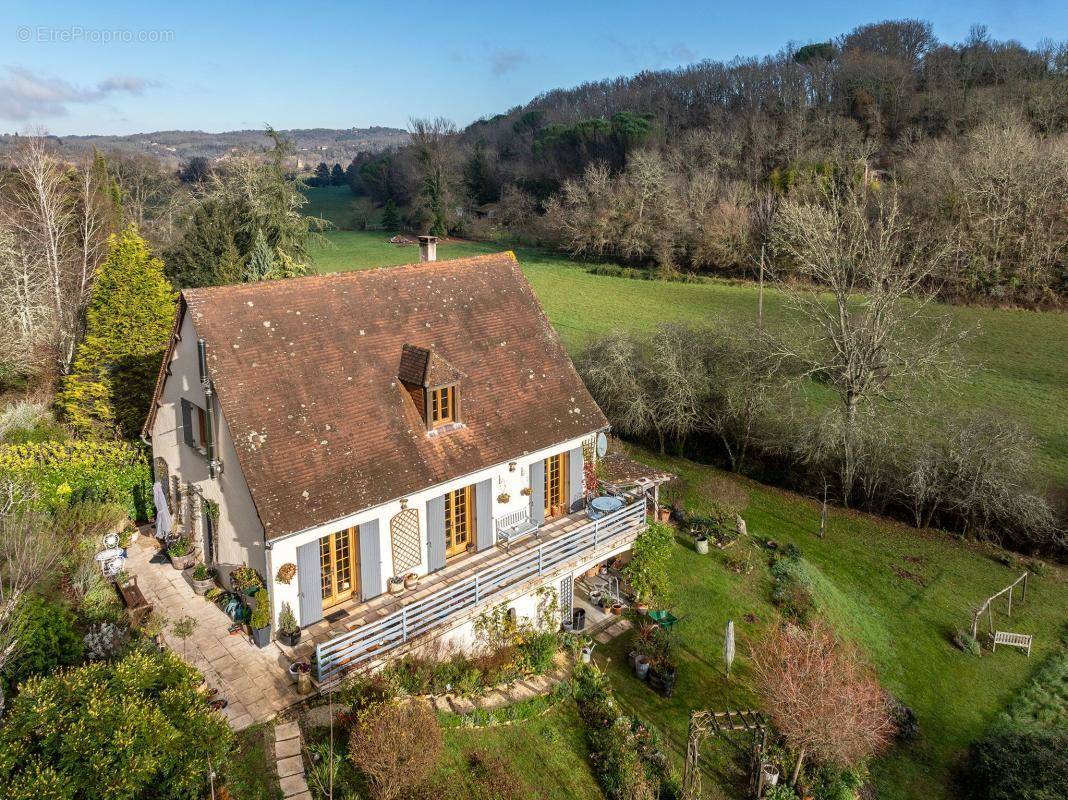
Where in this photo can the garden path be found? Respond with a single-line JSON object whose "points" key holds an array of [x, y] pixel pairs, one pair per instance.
{"points": [[254, 681]]}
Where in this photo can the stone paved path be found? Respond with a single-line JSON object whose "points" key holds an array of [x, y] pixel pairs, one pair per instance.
{"points": [[610, 632], [253, 681], [290, 762]]}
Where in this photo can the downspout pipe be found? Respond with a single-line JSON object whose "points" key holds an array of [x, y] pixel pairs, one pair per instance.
{"points": [[214, 465]]}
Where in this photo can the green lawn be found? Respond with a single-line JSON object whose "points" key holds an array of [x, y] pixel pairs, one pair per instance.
{"points": [[548, 753], [250, 774], [902, 623], [1020, 355], [332, 203]]}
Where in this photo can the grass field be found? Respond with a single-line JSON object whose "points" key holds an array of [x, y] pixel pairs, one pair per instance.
{"points": [[903, 624], [547, 753], [1019, 356]]}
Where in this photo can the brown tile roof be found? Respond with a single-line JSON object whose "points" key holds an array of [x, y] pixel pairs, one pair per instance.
{"points": [[424, 367], [306, 372]]}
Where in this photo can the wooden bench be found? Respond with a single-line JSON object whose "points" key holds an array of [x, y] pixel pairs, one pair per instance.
{"points": [[1021, 640], [514, 526], [134, 600]]}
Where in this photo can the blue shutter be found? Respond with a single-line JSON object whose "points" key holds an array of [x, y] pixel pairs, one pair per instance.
{"points": [[575, 476], [187, 423], [309, 583], [435, 533], [484, 532], [537, 492], [371, 583]]}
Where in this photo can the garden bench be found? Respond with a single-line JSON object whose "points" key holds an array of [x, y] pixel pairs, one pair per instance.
{"points": [[134, 600], [1021, 640], [515, 526]]}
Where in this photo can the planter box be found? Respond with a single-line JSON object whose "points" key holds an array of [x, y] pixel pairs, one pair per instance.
{"points": [[289, 640], [261, 636], [201, 587], [183, 562]]}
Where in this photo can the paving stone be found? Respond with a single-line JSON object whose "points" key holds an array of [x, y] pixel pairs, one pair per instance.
{"points": [[461, 705], [287, 748], [286, 730], [294, 784], [300, 796], [242, 722], [290, 766]]}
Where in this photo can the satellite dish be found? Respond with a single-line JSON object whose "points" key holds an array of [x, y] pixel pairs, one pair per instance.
{"points": [[602, 445]]}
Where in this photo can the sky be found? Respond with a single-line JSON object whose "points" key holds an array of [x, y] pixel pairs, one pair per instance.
{"points": [[120, 68]]}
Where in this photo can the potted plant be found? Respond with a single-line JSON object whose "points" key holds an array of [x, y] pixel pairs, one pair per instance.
{"points": [[595, 596], [700, 543], [617, 608], [260, 621], [246, 580], [202, 578], [395, 585], [606, 602], [286, 573], [296, 668], [304, 681], [526, 491], [411, 580], [181, 554], [503, 498], [662, 676], [288, 629]]}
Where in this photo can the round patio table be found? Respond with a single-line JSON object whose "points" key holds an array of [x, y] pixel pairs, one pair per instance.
{"points": [[600, 506]]}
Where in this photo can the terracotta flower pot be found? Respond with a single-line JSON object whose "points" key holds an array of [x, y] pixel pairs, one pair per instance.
{"points": [[411, 580], [617, 608]]}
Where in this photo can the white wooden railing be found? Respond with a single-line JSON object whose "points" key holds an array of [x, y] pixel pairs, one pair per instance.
{"points": [[349, 650]]}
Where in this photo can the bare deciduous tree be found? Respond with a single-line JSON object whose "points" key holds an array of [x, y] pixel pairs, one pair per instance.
{"points": [[28, 549], [875, 332], [821, 696]]}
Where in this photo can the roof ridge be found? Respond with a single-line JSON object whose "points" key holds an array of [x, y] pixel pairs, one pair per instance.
{"points": [[423, 266]]}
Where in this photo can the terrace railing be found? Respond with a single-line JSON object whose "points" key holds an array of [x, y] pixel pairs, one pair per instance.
{"points": [[370, 641]]}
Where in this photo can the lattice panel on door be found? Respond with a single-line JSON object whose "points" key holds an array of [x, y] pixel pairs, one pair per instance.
{"points": [[566, 597], [404, 535]]}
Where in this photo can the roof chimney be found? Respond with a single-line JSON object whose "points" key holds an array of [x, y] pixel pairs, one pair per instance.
{"points": [[428, 248]]}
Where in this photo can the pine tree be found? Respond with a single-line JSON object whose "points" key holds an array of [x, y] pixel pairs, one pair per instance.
{"points": [[126, 329], [262, 264], [322, 174], [390, 219], [337, 175]]}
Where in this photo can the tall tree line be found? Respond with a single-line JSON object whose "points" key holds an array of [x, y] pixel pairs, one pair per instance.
{"points": [[678, 169]]}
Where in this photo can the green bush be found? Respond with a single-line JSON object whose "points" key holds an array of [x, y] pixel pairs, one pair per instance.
{"points": [[1009, 764], [124, 730], [966, 642], [261, 614], [647, 570], [47, 640], [537, 652], [625, 755], [791, 589], [73, 472]]}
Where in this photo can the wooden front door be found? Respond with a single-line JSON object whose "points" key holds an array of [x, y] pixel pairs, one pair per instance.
{"points": [[556, 485], [339, 558], [459, 520]]}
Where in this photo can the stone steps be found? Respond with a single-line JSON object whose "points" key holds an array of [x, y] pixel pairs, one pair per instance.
{"points": [[287, 749]]}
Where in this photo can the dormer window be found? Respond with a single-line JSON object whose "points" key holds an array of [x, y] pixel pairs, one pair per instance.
{"points": [[434, 387], [442, 406]]}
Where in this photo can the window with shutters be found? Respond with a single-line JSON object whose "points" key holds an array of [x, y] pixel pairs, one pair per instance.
{"points": [[459, 522], [195, 425]]}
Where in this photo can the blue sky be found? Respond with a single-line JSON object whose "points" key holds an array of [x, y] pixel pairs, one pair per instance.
{"points": [[218, 66]]}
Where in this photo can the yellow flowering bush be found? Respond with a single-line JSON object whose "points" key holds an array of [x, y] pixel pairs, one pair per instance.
{"points": [[75, 471]]}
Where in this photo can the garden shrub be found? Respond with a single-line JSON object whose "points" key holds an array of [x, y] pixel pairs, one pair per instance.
{"points": [[47, 640], [74, 472], [123, 730], [26, 422], [791, 589], [396, 746], [831, 782], [647, 570], [966, 642], [625, 755], [1019, 764], [537, 652]]}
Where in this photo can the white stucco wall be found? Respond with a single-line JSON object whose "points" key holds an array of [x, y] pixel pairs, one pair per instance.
{"points": [[239, 531], [283, 550]]}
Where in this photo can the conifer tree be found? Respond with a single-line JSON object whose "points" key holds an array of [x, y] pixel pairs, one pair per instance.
{"points": [[128, 322]]}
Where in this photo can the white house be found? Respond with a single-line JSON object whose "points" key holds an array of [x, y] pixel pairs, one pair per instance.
{"points": [[358, 427]]}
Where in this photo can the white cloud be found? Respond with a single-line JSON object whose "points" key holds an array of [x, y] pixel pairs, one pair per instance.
{"points": [[28, 95]]}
